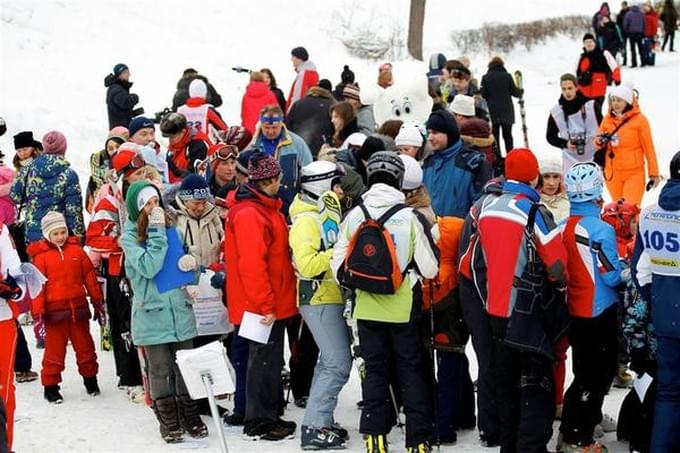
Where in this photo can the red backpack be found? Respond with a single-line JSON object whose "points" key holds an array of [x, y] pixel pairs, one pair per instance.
{"points": [[371, 262]]}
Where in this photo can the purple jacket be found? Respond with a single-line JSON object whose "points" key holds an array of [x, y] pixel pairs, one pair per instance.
{"points": [[634, 21]]}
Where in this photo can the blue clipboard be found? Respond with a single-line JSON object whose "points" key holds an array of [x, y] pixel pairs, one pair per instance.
{"points": [[171, 277]]}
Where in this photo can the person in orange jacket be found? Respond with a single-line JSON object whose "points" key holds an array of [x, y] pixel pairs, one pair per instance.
{"points": [[626, 137], [62, 304]]}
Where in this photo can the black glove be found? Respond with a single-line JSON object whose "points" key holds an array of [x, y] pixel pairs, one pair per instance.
{"points": [[217, 280], [9, 289]]}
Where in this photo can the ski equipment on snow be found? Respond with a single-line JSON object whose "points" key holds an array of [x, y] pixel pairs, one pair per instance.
{"points": [[519, 82]]}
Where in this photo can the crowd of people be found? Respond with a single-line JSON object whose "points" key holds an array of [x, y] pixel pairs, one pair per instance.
{"points": [[365, 243]]}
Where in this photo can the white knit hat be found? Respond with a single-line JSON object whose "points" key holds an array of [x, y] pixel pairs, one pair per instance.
{"points": [[463, 105], [624, 92], [52, 221], [198, 89], [409, 135], [144, 195], [413, 173], [550, 163], [355, 139]]}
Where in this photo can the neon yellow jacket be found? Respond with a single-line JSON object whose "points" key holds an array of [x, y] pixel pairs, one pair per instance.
{"points": [[316, 285]]}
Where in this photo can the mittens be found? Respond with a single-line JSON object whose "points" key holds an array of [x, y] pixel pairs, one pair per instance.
{"points": [[9, 289], [157, 217], [187, 263]]}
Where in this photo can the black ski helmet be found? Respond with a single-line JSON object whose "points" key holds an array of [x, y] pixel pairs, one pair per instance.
{"points": [[675, 166], [385, 166], [173, 123]]}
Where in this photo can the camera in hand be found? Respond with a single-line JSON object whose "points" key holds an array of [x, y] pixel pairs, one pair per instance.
{"points": [[240, 69], [579, 141], [158, 116]]}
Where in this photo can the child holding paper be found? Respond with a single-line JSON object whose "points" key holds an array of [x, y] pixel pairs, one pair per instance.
{"points": [[62, 304], [162, 322]]}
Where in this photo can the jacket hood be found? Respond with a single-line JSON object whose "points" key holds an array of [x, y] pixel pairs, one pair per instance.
{"points": [[49, 165], [306, 66], [669, 199], [381, 195], [520, 188], [36, 248], [319, 92], [257, 89], [6, 174], [247, 192], [419, 198], [300, 206], [111, 79]]}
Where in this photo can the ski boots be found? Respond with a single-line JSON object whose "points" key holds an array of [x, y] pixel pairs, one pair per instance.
{"points": [[376, 443], [52, 394], [320, 439], [422, 447]]}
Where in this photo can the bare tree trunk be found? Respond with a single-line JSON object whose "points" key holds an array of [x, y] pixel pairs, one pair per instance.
{"points": [[415, 29]]}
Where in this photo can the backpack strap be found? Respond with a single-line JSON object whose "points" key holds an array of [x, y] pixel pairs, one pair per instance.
{"points": [[390, 212]]}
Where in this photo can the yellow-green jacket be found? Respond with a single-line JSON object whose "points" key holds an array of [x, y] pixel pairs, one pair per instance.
{"points": [[316, 285]]}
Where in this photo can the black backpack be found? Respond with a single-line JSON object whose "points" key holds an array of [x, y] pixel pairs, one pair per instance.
{"points": [[371, 262]]}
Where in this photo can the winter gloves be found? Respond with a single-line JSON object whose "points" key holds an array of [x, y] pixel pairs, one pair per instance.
{"points": [[99, 314], [187, 263], [9, 289], [157, 217], [217, 281]]}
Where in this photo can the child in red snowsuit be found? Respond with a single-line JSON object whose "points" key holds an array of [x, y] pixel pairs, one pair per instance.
{"points": [[63, 306]]}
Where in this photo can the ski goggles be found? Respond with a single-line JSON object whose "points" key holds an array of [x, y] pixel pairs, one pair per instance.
{"points": [[226, 152], [136, 163]]}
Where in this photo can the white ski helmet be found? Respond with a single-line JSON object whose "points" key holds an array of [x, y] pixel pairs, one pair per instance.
{"points": [[413, 173], [319, 177]]}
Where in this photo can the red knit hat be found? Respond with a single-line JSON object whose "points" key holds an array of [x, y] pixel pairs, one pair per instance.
{"points": [[54, 143], [521, 165], [127, 159]]}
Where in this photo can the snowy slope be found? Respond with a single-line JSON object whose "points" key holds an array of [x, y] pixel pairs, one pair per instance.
{"points": [[55, 55]]}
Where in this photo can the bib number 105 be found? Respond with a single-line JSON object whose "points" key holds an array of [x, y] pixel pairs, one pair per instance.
{"points": [[658, 241]]}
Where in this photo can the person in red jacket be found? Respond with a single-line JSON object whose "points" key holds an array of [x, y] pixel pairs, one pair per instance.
{"points": [[596, 70], [257, 95], [201, 116], [62, 304], [261, 280], [651, 29], [306, 78]]}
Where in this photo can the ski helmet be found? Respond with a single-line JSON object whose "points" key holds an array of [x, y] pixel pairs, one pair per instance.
{"points": [[675, 166], [173, 123], [584, 182], [319, 177], [413, 173], [619, 215], [384, 166]]}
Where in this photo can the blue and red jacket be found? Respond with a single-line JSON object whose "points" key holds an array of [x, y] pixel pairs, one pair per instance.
{"points": [[501, 223], [594, 268]]}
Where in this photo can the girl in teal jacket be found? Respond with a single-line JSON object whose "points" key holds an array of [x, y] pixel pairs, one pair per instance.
{"points": [[162, 323]]}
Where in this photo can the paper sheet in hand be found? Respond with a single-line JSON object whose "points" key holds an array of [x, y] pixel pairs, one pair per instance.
{"points": [[209, 311], [212, 359], [170, 277], [641, 385], [31, 277], [252, 329]]}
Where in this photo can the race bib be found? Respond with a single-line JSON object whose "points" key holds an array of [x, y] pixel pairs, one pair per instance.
{"points": [[660, 234]]}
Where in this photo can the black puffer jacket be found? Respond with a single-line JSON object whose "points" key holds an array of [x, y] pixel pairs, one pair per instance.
{"points": [[120, 102], [310, 118], [498, 89]]}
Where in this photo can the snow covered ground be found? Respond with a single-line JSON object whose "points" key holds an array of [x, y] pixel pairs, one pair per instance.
{"points": [[54, 56]]}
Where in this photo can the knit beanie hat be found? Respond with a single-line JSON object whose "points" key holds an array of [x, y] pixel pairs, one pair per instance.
{"points": [[409, 135], [351, 92], [242, 162], [262, 166], [521, 165], [675, 167], [116, 138], [140, 122], [569, 77], [437, 62], [301, 53], [54, 143], [120, 131], [443, 121], [347, 76], [194, 187], [589, 36], [325, 84], [119, 68], [370, 146], [622, 91], [25, 139], [135, 196], [51, 221], [463, 105], [413, 173], [551, 163], [198, 89]]}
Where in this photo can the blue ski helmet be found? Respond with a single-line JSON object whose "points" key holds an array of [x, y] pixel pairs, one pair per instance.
{"points": [[584, 182]]}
